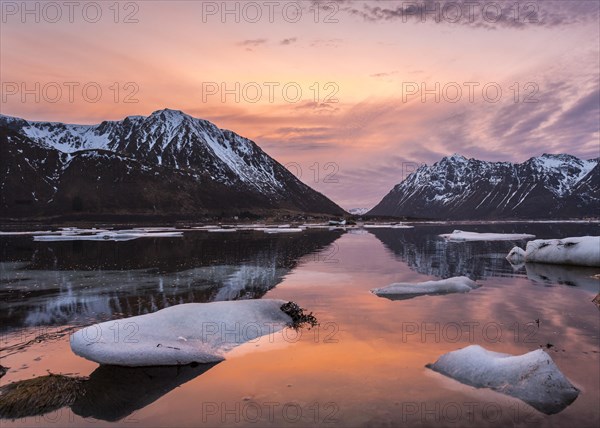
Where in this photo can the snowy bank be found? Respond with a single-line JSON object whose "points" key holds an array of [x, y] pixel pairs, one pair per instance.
{"points": [[459, 235], [580, 251], [182, 334], [403, 290], [531, 377]]}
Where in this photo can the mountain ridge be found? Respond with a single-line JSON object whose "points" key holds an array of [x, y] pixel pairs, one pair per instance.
{"points": [[193, 166], [457, 188]]}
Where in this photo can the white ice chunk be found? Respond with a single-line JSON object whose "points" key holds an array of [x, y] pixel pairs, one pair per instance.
{"points": [[106, 236], [283, 230], [404, 290], [582, 251], [156, 229], [516, 255], [208, 331], [78, 231], [532, 377], [459, 235], [33, 232], [246, 227]]}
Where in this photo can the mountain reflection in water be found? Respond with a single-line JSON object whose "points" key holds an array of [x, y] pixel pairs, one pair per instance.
{"points": [[426, 252], [54, 283]]}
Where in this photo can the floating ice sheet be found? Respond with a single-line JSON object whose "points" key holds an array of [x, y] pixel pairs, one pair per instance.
{"points": [[403, 290], [532, 377], [182, 334], [459, 235]]}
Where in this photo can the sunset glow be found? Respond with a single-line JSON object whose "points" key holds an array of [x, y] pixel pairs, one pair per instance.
{"points": [[357, 68]]}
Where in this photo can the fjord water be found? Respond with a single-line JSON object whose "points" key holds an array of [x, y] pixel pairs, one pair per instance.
{"points": [[363, 366]]}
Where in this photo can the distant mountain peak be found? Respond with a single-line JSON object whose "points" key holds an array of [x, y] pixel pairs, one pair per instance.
{"points": [[458, 157], [563, 157], [547, 186], [358, 211], [169, 114], [170, 111], [558, 156], [454, 159]]}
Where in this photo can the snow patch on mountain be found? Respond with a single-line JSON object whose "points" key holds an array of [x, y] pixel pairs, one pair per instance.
{"points": [[168, 137], [457, 187], [358, 211]]}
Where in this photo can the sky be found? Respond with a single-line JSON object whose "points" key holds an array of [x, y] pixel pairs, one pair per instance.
{"points": [[351, 96]]}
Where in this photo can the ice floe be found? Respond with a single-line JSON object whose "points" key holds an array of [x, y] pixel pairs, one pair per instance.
{"points": [[516, 255], [459, 235], [156, 229], [532, 377], [282, 230], [404, 290], [246, 227], [581, 251], [33, 232], [118, 235], [208, 331]]}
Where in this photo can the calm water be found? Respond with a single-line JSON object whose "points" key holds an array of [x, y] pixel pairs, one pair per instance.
{"points": [[363, 366]]}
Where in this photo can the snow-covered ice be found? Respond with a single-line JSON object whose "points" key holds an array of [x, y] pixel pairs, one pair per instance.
{"points": [[103, 235], [246, 227], [78, 231], [33, 232], [459, 235], [283, 230], [532, 377], [156, 229], [582, 251], [516, 255], [404, 290], [182, 334], [75, 237]]}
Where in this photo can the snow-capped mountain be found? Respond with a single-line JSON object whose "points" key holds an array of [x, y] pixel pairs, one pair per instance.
{"points": [[548, 186], [358, 211], [167, 162]]}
